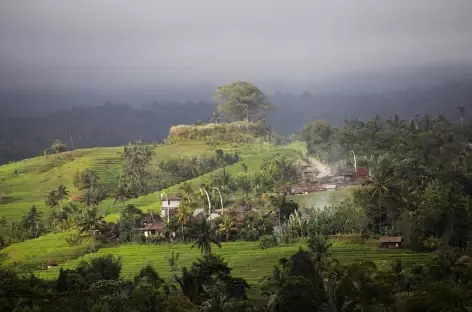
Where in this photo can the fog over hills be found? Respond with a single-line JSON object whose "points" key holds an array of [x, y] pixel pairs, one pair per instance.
{"points": [[36, 103], [61, 62], [116, 124]]}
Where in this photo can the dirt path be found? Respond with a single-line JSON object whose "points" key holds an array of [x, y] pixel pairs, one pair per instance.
{"points": [[323, 170]]}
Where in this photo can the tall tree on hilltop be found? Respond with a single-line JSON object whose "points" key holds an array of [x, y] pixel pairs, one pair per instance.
{"points": [[241, 100], [58, 147]]}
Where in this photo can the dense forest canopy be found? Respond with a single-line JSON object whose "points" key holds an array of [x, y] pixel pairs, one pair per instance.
{"points": [[421, 168]]}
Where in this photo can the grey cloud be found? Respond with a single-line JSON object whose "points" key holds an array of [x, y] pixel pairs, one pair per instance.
{"points": [[120, 42]]}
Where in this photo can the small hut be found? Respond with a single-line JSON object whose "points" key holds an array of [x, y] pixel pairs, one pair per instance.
{"points": [[391, 242], [50, 264]]}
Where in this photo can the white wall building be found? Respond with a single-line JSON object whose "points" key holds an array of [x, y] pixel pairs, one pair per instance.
{"points": [[170, 203]]}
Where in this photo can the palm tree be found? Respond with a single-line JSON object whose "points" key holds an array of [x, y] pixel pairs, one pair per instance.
{"points": [[51, 202], [400, 275], [93, 196], [206, 238], [244, 184], [90, 221], [122, 193], [320, 249], [61, 193], [378, 189], [187, 189], [225, 226], [284, 170], [89, 198], [91, 176], [183, 214], [354, 288], [408, 196]]}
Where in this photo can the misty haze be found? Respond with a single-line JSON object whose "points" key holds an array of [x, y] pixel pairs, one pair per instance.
{"points": [[250, 156]]}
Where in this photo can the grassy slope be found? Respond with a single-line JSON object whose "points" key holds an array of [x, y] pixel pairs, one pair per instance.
{"points": [[37, 176], [26, 189], [251, 156], [246, 258], [31, 254]]}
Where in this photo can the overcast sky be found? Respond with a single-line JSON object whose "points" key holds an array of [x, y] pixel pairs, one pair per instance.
{"points": [[137, 43]]}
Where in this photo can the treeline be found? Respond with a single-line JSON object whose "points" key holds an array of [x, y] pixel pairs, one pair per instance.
{"points": [[112, 125]]}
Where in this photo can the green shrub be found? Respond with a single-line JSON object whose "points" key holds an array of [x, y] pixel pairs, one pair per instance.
{"points": [[432, 243], [74, 239], [240, 132], [267, 241], [348, 238]]}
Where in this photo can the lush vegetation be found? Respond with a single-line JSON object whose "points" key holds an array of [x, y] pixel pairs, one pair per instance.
{"points": [[218, 250], [247, 259], [308, 279], [116, 124], [421, 174], [239, 132]]}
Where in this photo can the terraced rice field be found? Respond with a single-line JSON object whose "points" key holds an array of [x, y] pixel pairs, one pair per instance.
{"points": [[30, 255], [25, 183], [246, 258], [251, 158]]}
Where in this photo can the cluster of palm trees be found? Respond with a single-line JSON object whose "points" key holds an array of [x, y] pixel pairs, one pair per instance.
{"points": [[192, 166], [281, 168], [56, 198], [88, 220], [420, 173]]}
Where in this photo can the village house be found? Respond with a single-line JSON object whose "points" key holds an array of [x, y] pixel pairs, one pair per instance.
{"points": [[49, 264], [304, 189], [151, 225], [308, 172], [169, 205], [328, 187], [362, 173], [300, 190], [391, 242], [345, 175]]}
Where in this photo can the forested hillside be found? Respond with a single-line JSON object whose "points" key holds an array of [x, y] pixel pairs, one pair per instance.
{"points": [[112, 125]]}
